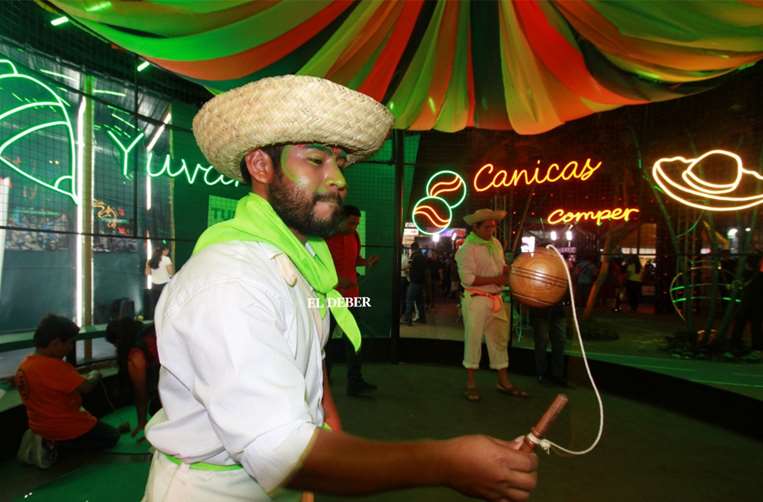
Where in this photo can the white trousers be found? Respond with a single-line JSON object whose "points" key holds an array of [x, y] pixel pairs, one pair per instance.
{"points": [[170, 482], [480, 321]]}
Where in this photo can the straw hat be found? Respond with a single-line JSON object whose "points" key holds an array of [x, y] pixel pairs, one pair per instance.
{"points": [[484, 214], [288, 109]]}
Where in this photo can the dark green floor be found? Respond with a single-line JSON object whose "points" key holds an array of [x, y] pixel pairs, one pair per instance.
{"points": [[646, 454]]}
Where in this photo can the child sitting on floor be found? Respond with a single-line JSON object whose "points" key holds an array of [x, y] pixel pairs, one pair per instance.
{"points": [[52, 391]]}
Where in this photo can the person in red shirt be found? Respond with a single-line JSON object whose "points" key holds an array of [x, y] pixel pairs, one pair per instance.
{"points": [[138, 361], [52, 390], [345, 250]]}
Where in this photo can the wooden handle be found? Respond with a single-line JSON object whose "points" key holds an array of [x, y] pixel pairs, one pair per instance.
{"points": [[559, 402]]}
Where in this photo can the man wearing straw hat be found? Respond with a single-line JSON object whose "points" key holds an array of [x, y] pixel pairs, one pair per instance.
{"points": [[247, 413], [483, 272]]}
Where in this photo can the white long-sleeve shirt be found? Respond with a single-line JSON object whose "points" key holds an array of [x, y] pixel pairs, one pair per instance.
{"points": [[241, 355], [476, 261]]}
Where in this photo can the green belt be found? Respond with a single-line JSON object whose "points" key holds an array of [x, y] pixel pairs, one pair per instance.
{"points": [[203, 466]]}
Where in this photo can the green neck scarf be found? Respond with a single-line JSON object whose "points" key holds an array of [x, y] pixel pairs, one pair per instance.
{"points": [[255, 220], [492, 247]]}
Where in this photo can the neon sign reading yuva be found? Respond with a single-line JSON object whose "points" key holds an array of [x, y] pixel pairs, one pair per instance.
{"points": [[488, 176], [43, 109]]}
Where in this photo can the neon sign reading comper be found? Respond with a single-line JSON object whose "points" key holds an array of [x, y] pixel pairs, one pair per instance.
{"points": [[488, 177], [562, 216]]}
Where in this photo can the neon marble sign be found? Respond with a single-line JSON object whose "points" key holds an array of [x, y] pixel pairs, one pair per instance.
{"points": [[445, 190], [699, 193], [486, 179], [46, 101]]}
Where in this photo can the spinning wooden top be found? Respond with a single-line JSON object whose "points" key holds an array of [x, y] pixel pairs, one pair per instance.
{"points": [[539, 278]]}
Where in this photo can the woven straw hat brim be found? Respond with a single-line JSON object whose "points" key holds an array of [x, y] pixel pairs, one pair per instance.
{"points": [[288, 109], [483, 215]]}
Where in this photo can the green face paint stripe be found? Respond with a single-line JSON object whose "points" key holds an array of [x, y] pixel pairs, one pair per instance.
{"points": [[285, 171]]}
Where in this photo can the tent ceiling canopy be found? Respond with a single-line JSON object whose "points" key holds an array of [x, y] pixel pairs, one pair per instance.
{"points": [[523, 65]]}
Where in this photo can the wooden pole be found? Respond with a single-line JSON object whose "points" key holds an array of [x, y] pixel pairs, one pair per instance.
{"points": [[86, 198]]}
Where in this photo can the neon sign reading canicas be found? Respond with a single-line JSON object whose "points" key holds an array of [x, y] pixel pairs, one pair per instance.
{"points": [[488, 176]]}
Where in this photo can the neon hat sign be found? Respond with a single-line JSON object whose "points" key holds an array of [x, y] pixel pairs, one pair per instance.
{"points": [[677, 177]]}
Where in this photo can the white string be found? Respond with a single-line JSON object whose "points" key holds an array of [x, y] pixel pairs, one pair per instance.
{"points": [[546, 444]]}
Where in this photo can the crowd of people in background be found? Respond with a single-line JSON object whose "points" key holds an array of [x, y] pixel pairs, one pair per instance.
{"points": [[624, 283], [426, 275], [52, 389]]}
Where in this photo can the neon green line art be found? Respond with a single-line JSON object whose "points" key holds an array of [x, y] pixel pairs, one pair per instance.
{"points": [[110, 93], [121, 119], [189, 176], [24, 107], [61, 75], [58, 106], [125, 151], [9, 63]]}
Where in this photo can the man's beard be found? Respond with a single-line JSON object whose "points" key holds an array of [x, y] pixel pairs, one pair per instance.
{"points": [[295, 208]]}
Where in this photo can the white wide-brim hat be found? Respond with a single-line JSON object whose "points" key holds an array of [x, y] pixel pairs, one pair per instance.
{"points": [[289, 109], [483, 215]]}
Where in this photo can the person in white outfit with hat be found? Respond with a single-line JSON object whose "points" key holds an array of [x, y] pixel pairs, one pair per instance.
{"points": [[248, 414], [484, 273]]}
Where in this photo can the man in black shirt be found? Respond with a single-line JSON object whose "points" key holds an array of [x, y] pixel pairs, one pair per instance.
{"points": [[417, 265]]}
